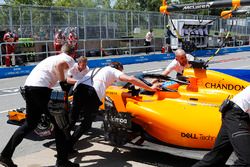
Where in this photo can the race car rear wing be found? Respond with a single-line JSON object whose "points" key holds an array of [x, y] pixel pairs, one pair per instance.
{"points": [[166, 9]]}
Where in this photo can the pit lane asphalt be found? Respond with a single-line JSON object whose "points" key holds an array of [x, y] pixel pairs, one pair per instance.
{"points": [[96, 151]]}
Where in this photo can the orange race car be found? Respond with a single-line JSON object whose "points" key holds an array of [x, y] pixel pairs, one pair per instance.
{"points": [[184, 114]]}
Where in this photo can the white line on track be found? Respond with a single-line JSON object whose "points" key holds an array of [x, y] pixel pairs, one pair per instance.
{"points": [[2, 112], [9, 88], [241, 67], [155, 70], [9, 94]]}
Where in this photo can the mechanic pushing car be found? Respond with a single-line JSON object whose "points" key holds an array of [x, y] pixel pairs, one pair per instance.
{"points": [[234, 134], [38, 88], [90, 90], [178, 64], [78, 70]]}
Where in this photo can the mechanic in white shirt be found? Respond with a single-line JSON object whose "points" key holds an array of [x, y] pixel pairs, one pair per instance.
{"points": [[234, 134], [76, 73], [38, 88], [91, 89], [78, 70], [178, 64]]}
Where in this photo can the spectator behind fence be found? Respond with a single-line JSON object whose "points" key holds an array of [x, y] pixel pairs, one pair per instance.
{"points": [[59, 40], [72, 41], [148, 39], [9, 48]]}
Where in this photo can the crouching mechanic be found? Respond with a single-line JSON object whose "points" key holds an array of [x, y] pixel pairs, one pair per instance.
{"points": [[38, 88], [234, 134], [76, 73], [78, 70], [91, 89]]}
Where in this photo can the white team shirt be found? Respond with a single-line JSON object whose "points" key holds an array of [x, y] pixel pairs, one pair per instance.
{"points": [[149, 37], [242, 99], [200, 30], [75, 73], [45, 73], [176, 66], [102, 80], [205, 31], [185, 31]]}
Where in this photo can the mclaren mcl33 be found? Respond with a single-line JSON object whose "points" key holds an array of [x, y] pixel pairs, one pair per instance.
{"points": [[184, 114]]}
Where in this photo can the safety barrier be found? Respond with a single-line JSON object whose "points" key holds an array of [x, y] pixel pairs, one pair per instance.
{"points": [[7, 72], [243, 74], [28, 51]]}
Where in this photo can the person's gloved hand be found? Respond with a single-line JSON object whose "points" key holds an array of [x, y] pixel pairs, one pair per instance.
{"points": [[65, 86]]}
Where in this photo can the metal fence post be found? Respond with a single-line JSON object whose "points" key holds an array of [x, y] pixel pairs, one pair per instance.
{"points": [[20, 33], [154, 46], [127, 23], [106, 25], [100, 25], [84, 47], [101, 47], [10, 19], [1, 55], [114, 35], [31, 22], [130, 49], [47, 50]]}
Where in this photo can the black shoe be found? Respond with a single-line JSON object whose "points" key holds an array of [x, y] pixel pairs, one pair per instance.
{"points": [[7, 162], [73, 151], [67, 164]]}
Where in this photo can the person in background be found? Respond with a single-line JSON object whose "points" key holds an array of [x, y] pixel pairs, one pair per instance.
{"points": [[201, 34], [148, 39], [38, 88], [205, 30], [168, 35], [91, 90], [9, 47], [184, 31], [234, 134], [72, 41], [59, 40]]}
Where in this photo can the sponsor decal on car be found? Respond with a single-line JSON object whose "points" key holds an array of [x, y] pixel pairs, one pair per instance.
{"points": [[224, 86], [198, 136]]}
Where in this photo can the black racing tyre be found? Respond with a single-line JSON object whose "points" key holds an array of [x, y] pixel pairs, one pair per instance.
{"points": [[45, 128]]}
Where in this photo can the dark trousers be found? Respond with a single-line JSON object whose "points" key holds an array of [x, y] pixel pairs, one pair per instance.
{"points": [[148, 49], [37, 99], [234, 135], [86, 103]]}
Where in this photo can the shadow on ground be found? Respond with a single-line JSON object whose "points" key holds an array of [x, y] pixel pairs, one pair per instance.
{"points": [[120, 158]]}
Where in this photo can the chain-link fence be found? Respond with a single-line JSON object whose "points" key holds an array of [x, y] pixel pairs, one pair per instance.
{"points": [[40, 23], [103, 32]]}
